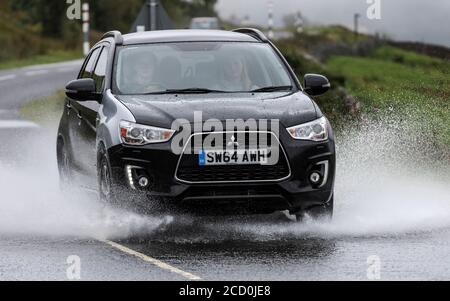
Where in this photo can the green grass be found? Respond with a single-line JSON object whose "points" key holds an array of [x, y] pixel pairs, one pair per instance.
{"points": [[44, 111], [51, 57], [408, 58], [392, 80]]}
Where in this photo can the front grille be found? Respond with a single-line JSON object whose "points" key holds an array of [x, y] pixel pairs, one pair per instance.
{"points": [[190, 171]]}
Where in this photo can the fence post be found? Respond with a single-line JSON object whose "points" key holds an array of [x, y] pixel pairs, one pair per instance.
{"points": [[86, 46], [270, 20]]}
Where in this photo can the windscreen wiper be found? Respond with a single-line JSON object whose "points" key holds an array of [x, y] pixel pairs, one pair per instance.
{"points": [[273, 89], [192, 91]]}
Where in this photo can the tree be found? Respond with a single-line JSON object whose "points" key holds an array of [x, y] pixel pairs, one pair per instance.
{"points": [[49, 14], [203, 8], [114, 14]]}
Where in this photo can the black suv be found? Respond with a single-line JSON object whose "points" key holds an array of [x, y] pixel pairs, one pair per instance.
{"points": [[204, 121]]}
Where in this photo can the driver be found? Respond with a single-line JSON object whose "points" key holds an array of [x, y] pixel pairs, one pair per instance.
{"points": [[140, 73]]}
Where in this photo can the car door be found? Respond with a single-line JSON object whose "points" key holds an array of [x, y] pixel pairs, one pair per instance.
{"points": [[89, 114], [84, 125], [75, 122]]}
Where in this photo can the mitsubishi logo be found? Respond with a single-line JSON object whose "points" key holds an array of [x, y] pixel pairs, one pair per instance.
{"points": [[233, 141]]}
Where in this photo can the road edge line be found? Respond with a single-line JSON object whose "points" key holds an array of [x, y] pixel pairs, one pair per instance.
{"points": [[156, 262]]}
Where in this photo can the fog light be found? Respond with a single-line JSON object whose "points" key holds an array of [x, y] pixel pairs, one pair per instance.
{"points": [[143, 182], [315, 177], [129, 170]]}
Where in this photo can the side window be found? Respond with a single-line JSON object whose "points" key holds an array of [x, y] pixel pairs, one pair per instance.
{"points": [[88, 68], [100, 69]]}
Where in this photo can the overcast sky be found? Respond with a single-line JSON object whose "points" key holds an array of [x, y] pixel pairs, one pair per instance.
{"points": [[418, 20]]}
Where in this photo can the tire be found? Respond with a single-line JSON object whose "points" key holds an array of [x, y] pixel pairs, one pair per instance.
{"points": [[322, 212], [111, 193], [106, 188], [64, 167], [117, 194]]}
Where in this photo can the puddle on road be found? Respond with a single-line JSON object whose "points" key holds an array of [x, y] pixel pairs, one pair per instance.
{"points": [[387, 183]]}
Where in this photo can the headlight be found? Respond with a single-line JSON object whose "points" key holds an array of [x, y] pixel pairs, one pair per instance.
{"points": [[315, 130], [138, 134]]}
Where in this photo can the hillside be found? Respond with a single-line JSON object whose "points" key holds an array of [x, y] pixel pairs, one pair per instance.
{"points": [[373, 80]]}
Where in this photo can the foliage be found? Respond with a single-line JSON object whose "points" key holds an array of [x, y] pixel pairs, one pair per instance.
{"points": [[52, 56], [34, 28], [397, 81]]}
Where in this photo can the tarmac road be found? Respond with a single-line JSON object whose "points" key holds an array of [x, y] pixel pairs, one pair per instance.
{"points": [[45, 234]]}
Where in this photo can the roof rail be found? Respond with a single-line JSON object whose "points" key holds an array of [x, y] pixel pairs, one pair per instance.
{"points": [[255, 33], [116, 35]]}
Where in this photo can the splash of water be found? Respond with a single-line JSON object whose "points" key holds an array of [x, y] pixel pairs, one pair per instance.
{"points": [[389, 181]]}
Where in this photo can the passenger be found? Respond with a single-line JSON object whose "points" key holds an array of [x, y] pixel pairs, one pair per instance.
{"points": [[235, 74]]}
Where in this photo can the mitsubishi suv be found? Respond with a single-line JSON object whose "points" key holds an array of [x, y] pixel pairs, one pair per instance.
{"points": [[200, 121]]}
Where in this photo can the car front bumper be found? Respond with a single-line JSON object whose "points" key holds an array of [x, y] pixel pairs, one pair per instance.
{"points": [[294, 193]]}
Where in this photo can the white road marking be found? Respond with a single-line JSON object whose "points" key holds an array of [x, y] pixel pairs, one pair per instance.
{"points": [[55, 65], [153, 261], [9, 113], [65, 69], [37, 72], [7, 77], [15, 124]]}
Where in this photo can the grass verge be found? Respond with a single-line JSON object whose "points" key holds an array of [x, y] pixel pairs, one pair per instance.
{"points": [[55, 56], [394, 81], [45, 111]]}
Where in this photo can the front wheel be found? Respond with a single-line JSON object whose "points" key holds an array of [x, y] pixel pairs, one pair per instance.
{"points": [[111, 191], [107, 189], [64, 166]]}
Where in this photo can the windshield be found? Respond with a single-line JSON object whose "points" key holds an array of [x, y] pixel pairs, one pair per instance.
{"points": [[199, 67]]}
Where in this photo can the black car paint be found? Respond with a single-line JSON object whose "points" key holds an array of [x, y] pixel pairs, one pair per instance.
{"points": [[161, 110], [87, 126]]}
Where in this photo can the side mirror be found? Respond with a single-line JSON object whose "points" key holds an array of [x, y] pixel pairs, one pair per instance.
{"points": [[316, 84], [82, 90]]}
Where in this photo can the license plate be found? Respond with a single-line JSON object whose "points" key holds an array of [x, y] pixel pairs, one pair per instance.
{"points": [[233, 157]]}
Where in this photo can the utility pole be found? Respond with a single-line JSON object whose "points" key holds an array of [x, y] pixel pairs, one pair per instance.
{"points": [[152, 13], [355, 24], [270, 20], [299, 23], [85, 20]]}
